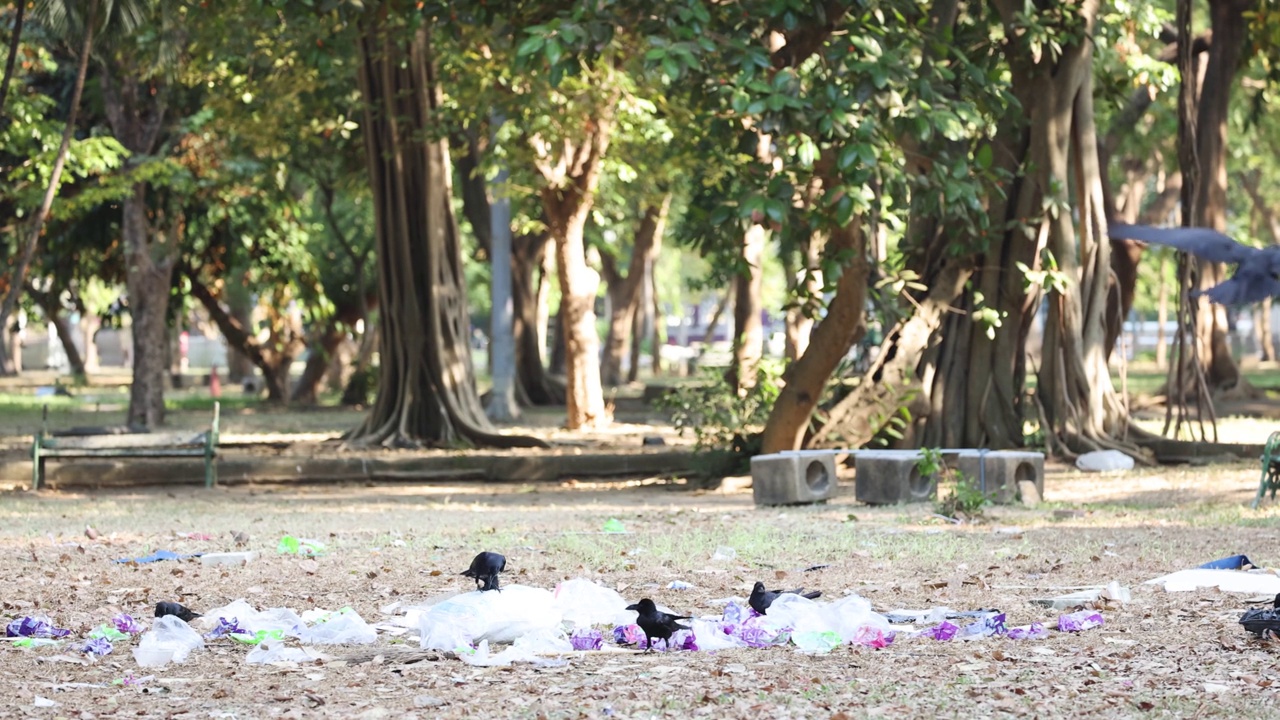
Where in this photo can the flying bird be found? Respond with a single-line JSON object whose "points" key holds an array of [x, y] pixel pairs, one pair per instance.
{"points": [[655, 623], [1257, 275], [177, 610], [761, 599], [485, 568]]}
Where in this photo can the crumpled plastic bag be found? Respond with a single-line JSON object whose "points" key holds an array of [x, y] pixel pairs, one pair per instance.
{"points": [[498, 616], [273, 651], [344, 627], [845, 617], [1034, 631], [712, 636], [1079, 621], [35, 627], [527, 648], [253, 621], [586, 639], [583, 603], [169, 640]]}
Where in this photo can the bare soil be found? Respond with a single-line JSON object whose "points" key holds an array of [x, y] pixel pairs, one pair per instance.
{"points": [[1163, 654]]}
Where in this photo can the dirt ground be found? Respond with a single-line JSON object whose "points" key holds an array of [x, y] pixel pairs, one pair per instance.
{"points": [[1161, 655]]}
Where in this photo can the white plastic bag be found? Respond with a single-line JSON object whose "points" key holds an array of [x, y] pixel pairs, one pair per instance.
{"points": [[527, 648], [1104, 461], [271, 651], [344, 627], [169, 640], [498, 616], [710, 636], [851, 613], [583, 603], [254, 621]]}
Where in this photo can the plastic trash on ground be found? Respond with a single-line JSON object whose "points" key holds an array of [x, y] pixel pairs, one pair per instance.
{"points": [[613, 525], [1078, 621], [1104, 461], [273, 651], [253, 621], [170, 640], [97, 646], [34, 627], [1116, 592], [344, 627], [126, 624], [992, 624], [724, 553], [527, 648], [872, 637], [586, 639], [944, 631], [816, 642], [679, 585], [157, 556], [107, 632], [851, 613], [1255, 582], [712, 636], [290, 545], [583, 603], [1034, 631], [498, 616], [224, 628]]}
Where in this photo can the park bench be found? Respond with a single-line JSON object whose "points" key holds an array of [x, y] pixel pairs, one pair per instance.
{"points": [[77, 444]]}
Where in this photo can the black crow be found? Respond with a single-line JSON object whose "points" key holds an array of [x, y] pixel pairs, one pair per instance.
{"points": [[1257, 275], [1263, 621], [485, 568], [179, 611], [655, 623], [761, 599]]}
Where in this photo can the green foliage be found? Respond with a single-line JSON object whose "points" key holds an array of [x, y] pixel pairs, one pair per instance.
{"points": [[726, 426], [964, 500]]}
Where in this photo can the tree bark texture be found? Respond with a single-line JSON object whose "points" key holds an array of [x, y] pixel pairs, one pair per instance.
{"points": [[748, 325], [626, 292], [534, 386], [14, 40], [571, 174], [426, 390], [323, 345]]}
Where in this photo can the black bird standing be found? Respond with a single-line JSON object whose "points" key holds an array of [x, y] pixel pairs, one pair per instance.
{"points": [[655, 623], [181, 612], [761, 599], [485, 568]]}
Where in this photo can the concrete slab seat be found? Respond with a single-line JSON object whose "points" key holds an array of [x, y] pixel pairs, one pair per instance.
{"points": [[889, 477], [794, 477], [82, 444]]}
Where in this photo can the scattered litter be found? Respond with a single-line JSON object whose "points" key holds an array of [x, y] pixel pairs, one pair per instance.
{"points": [[34, 627], [1104, 461], [817, 642], [679, 585], [1062, 602], [503, 616], [290, 545], [97, 646], [158, 556], [1115, 592], [343, 627], [1235, 574], [811, 568], [724, 553], [586, 639], [613, 525], [1079, 621], [275, 651], [43, 702], [170, 640], [583, 603], [1235, 562], [1034, 631], [125, 623], [228, 558]]}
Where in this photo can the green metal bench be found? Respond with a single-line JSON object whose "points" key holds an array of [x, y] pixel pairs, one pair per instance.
{"points": [[141, 445], [1270, 469]]}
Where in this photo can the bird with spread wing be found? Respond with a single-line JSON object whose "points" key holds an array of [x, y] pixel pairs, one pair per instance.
{"points": [[1257, 275]]}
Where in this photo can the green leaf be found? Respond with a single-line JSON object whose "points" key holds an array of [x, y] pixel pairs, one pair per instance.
{"points": [[848, 155], [553, 51], [530, 46], [984, 157]]}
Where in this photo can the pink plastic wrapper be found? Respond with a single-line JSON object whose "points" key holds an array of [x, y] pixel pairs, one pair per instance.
{"points": [[1034, 631], [1079, 621], [872, 637]]}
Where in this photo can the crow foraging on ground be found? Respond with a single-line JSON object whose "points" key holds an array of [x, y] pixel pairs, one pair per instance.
{"points": [[655, 623], [179, 611], [761, 599], [1264, 622], [485, 568]]}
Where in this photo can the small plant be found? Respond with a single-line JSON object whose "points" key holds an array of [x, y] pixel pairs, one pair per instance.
{"points": [[726, 426], [966, 500]]}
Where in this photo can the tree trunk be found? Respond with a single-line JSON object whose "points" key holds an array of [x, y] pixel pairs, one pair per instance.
{"points": [[323, 347], [645, 325], [240, 307], [1230, 31], [626, 293], [748, 326], [844, 324], [426, 390], [571, 177], [148, 279], [19, 277], [1162, 314], [800, 317], [533, 384], [502, 344]]}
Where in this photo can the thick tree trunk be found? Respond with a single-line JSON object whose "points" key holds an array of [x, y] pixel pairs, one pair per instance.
{"points": [[571, 173], [426, 390], [322, 347], [240, 308], [19, 277], [148, 279], [1230, 31], [845, 323], [626, 292]]}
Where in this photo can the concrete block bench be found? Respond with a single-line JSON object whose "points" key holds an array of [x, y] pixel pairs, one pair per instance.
{"points": [[888, 477]]}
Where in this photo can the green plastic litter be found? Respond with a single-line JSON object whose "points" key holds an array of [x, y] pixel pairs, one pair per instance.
{"points": [[108, 632], [614, 525], [817, 642], [291, 545], [36, 642], [258, 637]]}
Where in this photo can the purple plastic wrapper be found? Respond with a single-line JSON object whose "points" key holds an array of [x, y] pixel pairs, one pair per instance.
{"points": [[992, 624], [629, 635], [31, 627], [872, 637], [942, 631], [127, 625], [227, 627], [587, 639], [1034, 631], [735, 614], [97, 646], [1078, 621], [682, 640]]}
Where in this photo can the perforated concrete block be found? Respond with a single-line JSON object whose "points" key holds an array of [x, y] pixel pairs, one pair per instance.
{"points": [[999, 472], [888, 477], [793, 478]]}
